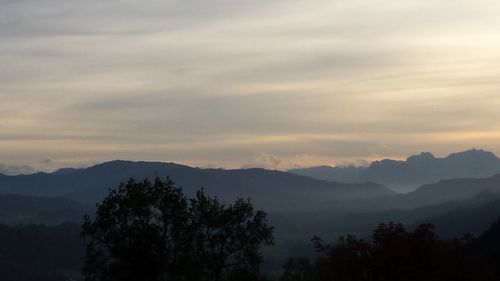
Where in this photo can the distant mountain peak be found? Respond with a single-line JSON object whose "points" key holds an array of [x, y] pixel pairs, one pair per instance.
{"points": [[472, 154], [65, 171], [416, 170], [128, 163], [424, 156]]}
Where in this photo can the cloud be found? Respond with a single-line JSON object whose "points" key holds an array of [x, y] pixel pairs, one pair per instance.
{"points": [[219, 82], [46, 161], [16, 170], [264, 160]]}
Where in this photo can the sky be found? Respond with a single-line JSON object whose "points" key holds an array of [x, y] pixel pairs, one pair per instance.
{"points": [[246, 83]]}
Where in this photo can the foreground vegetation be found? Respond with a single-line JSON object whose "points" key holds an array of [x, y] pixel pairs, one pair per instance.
{"points": [[151, 231], [393, 253]]}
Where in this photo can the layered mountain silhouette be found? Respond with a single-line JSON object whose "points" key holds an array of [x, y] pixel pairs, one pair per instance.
{"points": [[417, 170], [461, 195], [67, 194], [445, 191], [298, 206], [453, 218], [18, 209], [270, 190]]}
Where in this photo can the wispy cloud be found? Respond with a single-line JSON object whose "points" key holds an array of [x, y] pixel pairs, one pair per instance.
{"points": [[222, 82]]}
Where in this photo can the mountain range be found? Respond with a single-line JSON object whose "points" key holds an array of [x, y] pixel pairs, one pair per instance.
{"points": [[274, 191], [464, 198], [416, 170], [66, 194], [271, 190]]}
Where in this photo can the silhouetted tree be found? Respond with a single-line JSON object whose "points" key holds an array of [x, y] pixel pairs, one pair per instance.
{"points": [[348, 260], [487, 248], [151, 231], [138, 233], [297, 269], [397, 254], [226, 238]]}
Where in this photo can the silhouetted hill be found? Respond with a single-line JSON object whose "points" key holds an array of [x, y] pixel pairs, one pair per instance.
{"points": [[488, 244], [271, 190], [41, 253], [65, 171], [465, 220], [17, 209], [415, 171], [452, 219], [452, 190], [444, 191], [328, 173]]}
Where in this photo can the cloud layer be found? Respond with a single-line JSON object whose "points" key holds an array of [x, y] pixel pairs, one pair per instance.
{"points": [[277, 83]]}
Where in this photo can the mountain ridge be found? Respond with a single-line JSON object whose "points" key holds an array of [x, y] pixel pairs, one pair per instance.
{"points": [[415, 171], [267, 189]]}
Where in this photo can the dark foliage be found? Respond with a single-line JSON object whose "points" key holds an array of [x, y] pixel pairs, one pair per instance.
{"points": [[297, 269], [396, 254], [151, 231], [488, 249]]}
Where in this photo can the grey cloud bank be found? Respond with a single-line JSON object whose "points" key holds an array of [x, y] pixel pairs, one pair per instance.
{"points": [[274, 83]]}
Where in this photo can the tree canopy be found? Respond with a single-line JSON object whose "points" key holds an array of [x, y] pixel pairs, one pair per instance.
{"points": [[150, 231], [395, 254]]}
